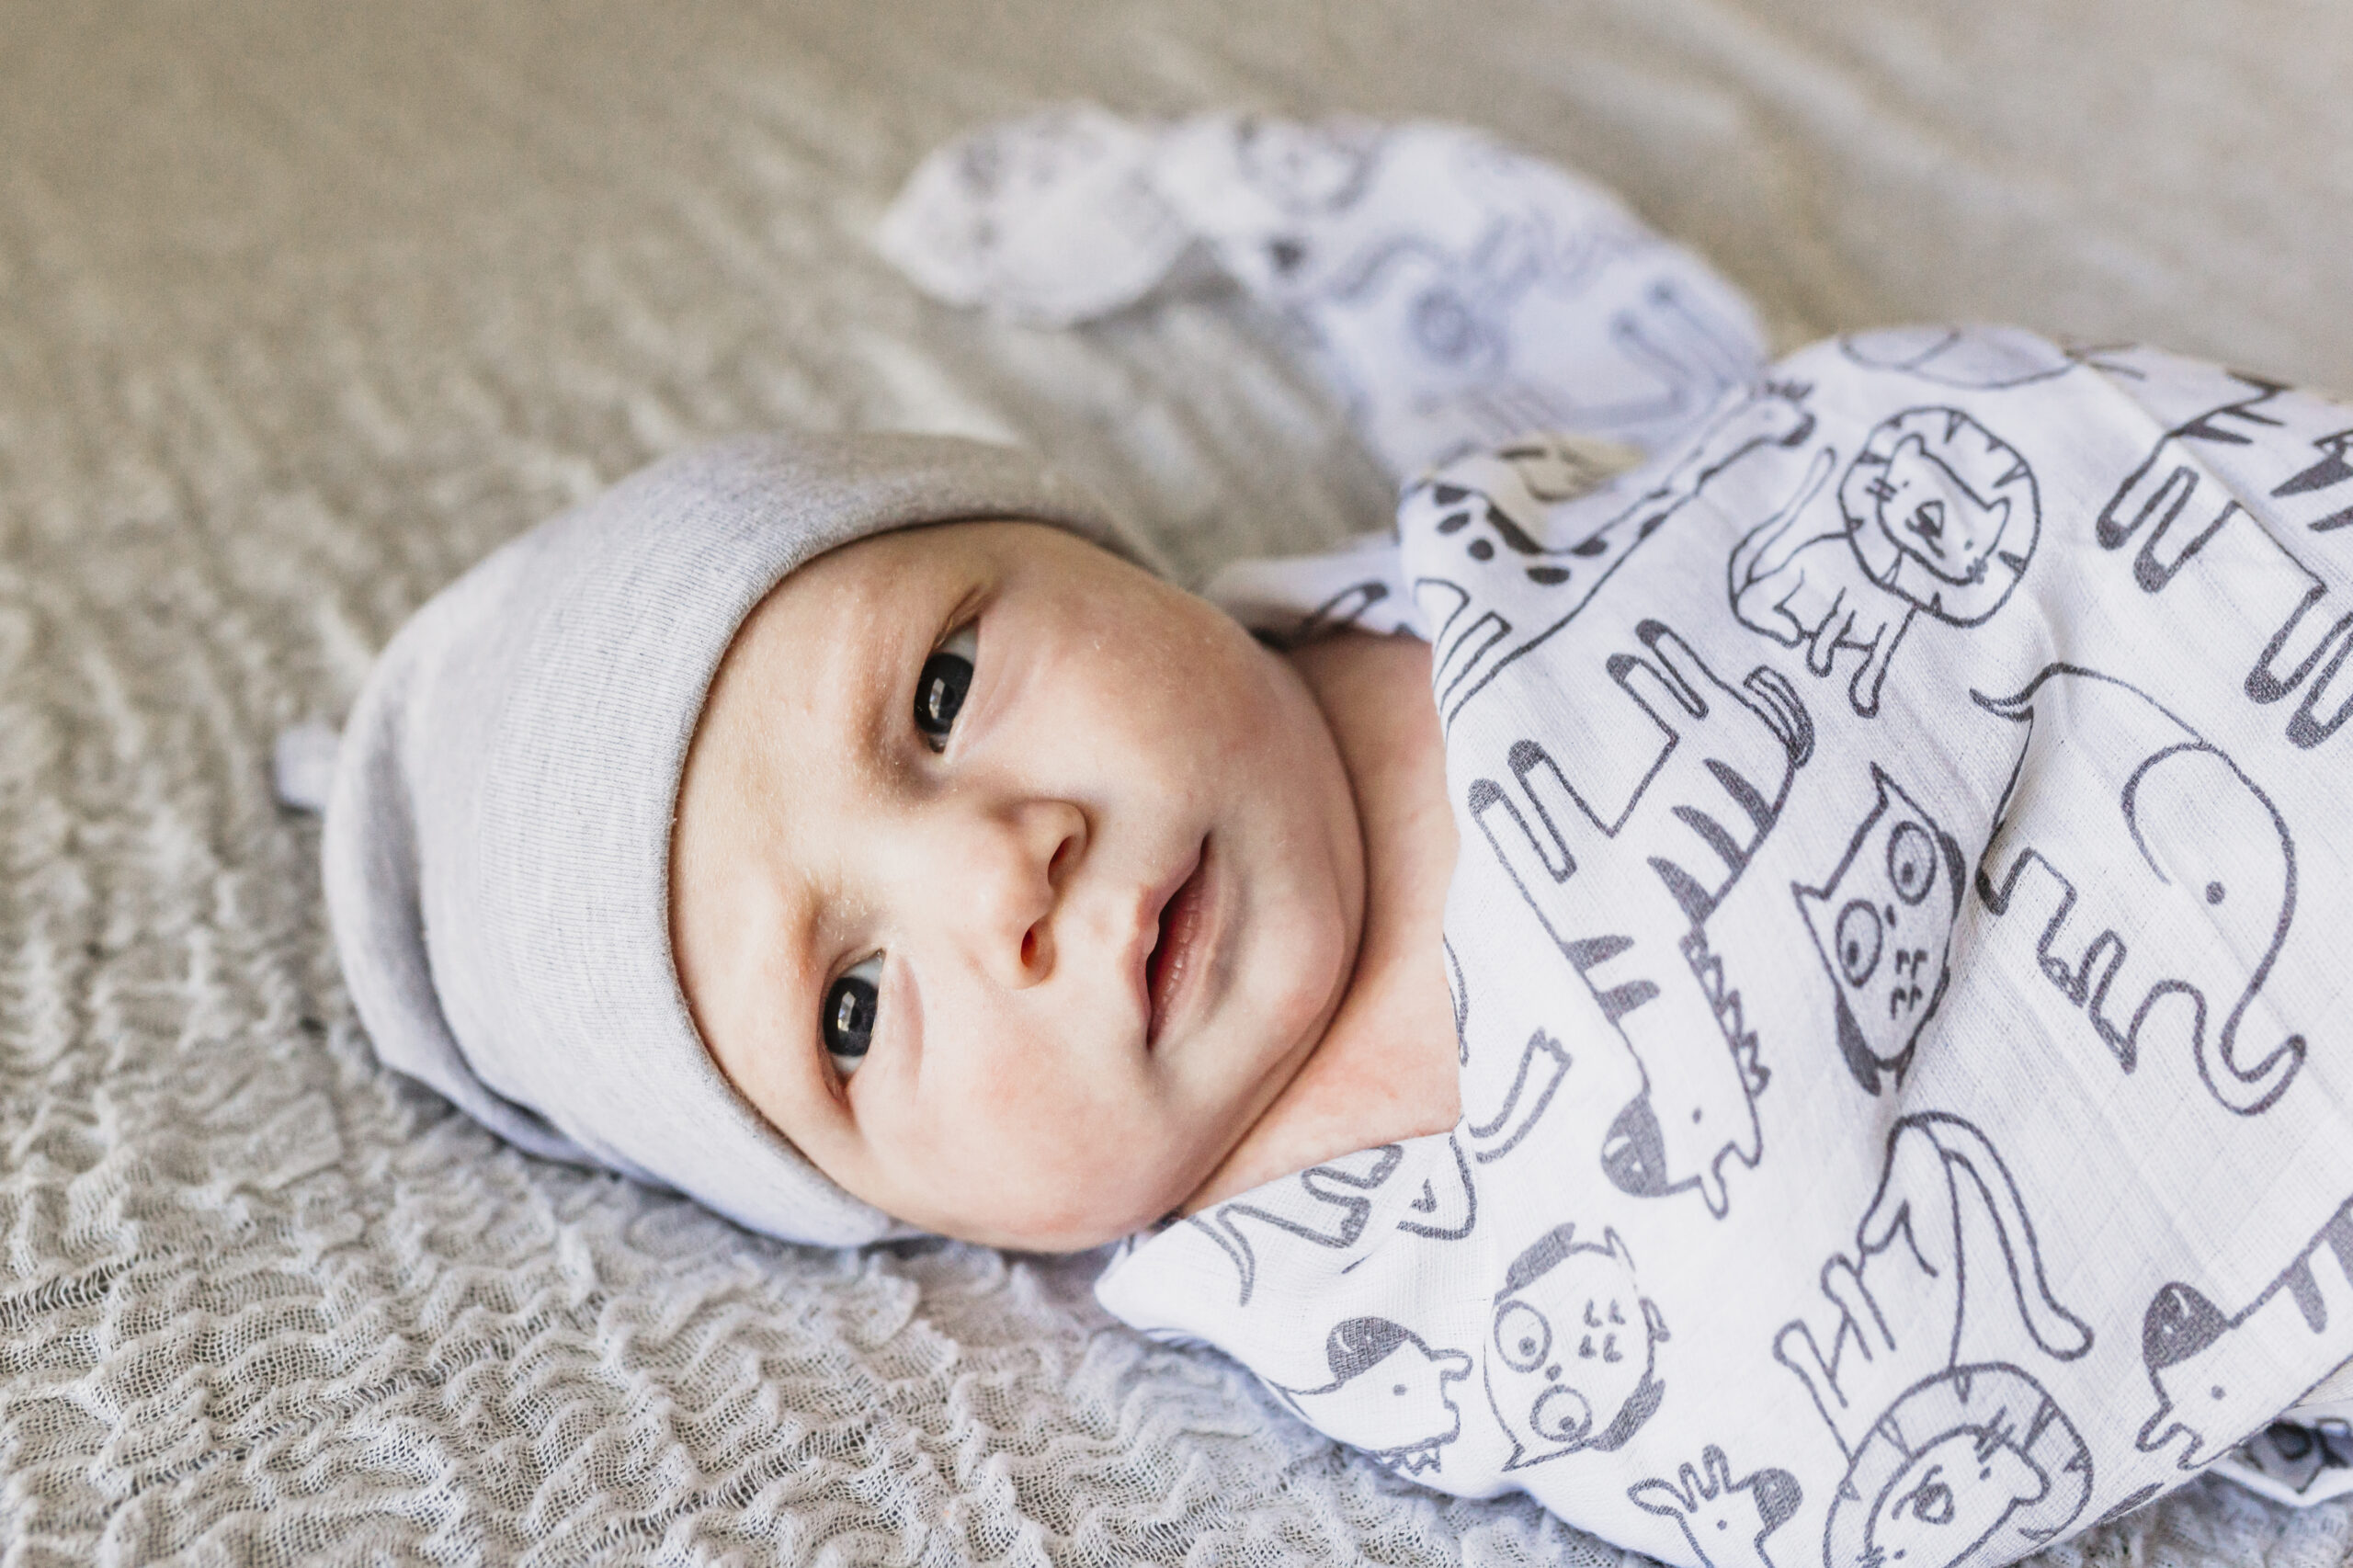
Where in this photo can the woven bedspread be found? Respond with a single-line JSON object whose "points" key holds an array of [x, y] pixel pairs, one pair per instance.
{"points": [[304, 304]]}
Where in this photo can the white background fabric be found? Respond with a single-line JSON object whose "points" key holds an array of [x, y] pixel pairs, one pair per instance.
{"points": [[304, 305]]}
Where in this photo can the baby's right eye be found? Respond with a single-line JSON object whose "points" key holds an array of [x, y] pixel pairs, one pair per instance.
{"points": [[939, 689], [851, 1004]]}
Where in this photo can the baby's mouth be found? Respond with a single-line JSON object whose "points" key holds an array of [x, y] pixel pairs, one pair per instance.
{"points": [[1177, 952]]}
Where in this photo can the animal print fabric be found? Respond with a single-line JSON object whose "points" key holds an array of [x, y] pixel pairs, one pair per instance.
{"points": [[1451, 291], [1896, 965]]}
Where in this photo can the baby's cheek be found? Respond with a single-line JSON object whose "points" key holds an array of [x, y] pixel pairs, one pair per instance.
{"points": [[1069, 1188], [1032, 1126]]}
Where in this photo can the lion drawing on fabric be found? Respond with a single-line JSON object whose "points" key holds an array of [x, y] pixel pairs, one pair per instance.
{"points": [[1936, 514]]}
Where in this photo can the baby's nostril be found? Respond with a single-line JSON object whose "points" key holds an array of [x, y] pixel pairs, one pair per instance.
{"points": [[1030, 947]]}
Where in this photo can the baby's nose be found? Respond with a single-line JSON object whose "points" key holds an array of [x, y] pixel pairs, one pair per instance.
{"points": [[1019, 858]]}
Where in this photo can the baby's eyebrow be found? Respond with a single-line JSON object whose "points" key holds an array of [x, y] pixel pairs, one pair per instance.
{"points": [[795, 938], [880, 677]]}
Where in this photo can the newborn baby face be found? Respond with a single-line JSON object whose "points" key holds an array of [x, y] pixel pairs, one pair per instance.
{"points": [[1008, 882]]}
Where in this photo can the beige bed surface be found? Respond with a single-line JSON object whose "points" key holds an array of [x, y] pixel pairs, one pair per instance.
{"points": [[305, 303]]}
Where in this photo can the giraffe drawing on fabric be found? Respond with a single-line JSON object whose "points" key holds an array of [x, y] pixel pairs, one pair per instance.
{"points": [[1724, 1521], [1562, 542]]}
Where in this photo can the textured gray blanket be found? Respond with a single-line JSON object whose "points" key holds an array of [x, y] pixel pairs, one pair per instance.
{"points": [[305, 304]]}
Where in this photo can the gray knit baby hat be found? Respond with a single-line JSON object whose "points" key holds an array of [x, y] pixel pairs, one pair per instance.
{"points": [[497, 836]]}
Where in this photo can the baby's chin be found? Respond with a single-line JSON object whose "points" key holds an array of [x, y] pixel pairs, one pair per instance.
{"points": [[1075, 1222], [1109, 1182]]}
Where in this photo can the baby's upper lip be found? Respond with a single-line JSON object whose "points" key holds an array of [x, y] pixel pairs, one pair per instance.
{"points": [[1153, 904]]}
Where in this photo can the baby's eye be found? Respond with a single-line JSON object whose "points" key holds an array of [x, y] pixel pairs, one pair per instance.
{"points": [[851, 1004], [940, 691]]}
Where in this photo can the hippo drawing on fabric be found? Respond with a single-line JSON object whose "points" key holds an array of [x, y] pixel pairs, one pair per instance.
{"points": [[2161, 878], [1388, 1393]]}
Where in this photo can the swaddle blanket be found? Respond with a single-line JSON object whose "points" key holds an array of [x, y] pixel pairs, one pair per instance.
{"points": [[1895, 954], [1893, 951], [1451, 291]]}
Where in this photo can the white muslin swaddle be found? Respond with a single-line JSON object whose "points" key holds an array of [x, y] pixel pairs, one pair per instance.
{"points": [[1893, 956], [1895, 943]]}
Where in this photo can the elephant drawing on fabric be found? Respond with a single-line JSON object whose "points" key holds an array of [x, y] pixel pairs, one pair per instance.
{"points": [[1935, 514], [2165, 878], [1671, 815], [2212, 1370], [1951, 1463]]}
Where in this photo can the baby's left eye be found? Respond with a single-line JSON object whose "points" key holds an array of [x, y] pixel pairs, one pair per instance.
{"points": [[939, 690]]}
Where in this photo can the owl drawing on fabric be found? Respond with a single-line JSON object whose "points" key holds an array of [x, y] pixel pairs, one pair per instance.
{"points": [[1882, 921], [1573, 1363]]}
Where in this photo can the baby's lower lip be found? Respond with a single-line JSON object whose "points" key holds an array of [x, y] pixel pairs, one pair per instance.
{"points": [[1172, 973]]}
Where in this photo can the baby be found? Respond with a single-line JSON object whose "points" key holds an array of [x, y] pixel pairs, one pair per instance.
{"points": [[1087, 906], [1168, 899], [1773, 994]]}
